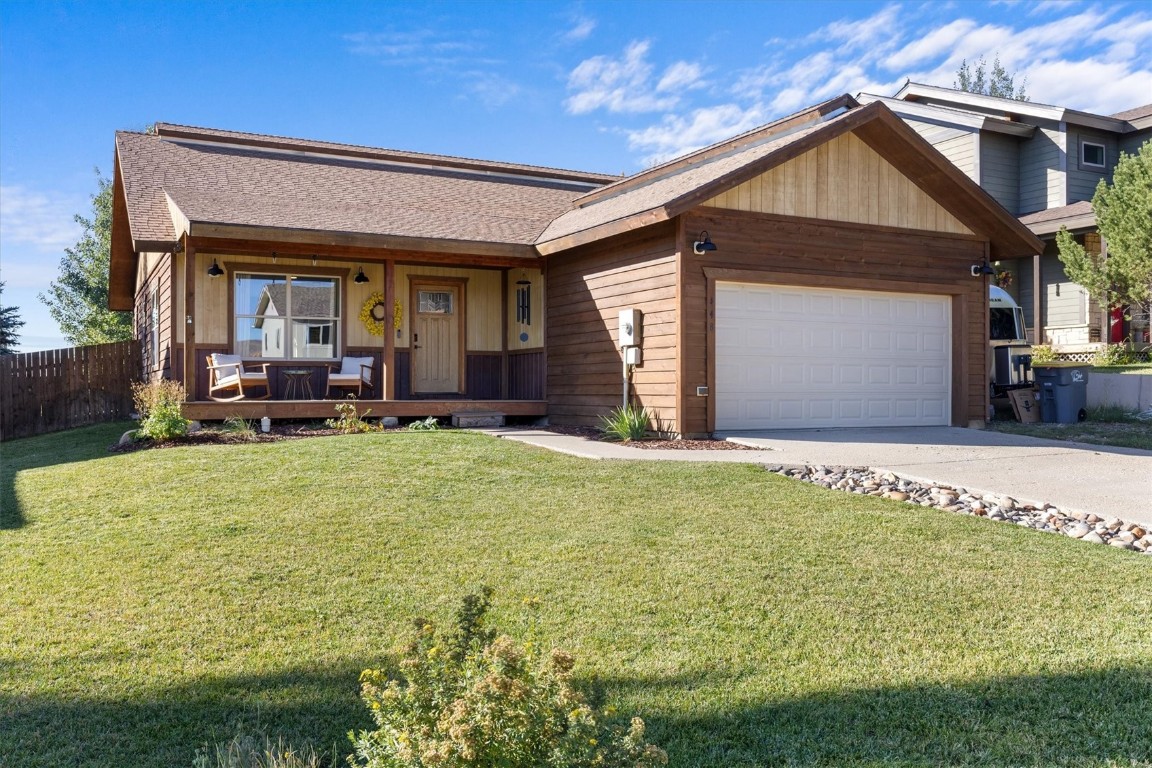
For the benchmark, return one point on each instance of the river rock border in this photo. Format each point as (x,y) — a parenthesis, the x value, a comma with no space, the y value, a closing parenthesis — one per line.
(1077,525)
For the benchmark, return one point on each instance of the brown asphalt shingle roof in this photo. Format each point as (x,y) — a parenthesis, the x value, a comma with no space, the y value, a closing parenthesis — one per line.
(253,186)
(1135,113)
(1082,208)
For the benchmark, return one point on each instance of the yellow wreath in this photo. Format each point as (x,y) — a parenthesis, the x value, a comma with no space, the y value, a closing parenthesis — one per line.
(373,314)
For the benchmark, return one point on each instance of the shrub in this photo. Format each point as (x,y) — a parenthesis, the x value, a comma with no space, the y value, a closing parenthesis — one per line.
(350,421)
(256,751)
(160,405)
(626,423)
(1114,354)
(472,698)
(1043,353)
(430,424)
(238,429)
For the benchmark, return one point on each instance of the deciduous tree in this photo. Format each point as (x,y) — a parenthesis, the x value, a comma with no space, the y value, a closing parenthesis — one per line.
(78,298)
(1122,277)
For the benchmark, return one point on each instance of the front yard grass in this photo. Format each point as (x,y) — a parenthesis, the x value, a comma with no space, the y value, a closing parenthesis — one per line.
(1104,426)
(154,601)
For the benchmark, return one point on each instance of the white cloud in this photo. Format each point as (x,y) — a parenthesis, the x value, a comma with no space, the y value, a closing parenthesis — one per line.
(491,89)
(620,85)
(675,135)
(680,76)
(419,47)
(42,220)
(581,30)
(930,45)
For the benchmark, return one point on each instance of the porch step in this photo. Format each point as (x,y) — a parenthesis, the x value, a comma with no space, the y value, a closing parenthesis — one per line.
(468,419)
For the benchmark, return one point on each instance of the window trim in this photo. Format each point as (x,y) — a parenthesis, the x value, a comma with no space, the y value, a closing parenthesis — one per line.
(343,276)
(1103,155)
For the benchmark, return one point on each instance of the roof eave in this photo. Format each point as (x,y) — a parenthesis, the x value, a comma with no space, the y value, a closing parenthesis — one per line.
(1080,223)
(123,251)
(603,231)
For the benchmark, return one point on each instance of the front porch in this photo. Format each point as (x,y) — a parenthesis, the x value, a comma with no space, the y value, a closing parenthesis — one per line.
(326,409)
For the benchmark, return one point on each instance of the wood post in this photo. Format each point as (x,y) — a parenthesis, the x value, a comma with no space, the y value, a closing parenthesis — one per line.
(189,321)
(388,375)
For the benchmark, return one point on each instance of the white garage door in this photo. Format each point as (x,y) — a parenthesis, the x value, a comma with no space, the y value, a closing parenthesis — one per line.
(791,357)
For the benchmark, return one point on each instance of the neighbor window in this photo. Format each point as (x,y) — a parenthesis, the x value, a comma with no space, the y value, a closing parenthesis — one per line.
(1092,155)
(287,317)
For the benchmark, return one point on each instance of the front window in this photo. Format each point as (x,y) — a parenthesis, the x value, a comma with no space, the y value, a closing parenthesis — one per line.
(287,317)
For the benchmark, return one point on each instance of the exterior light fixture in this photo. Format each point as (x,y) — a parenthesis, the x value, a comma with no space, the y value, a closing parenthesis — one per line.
(703,245)
(214,270)
(360,276)
(982,269)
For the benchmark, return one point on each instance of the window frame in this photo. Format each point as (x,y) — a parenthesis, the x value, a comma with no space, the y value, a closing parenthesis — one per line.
(338,321)
(1085,163)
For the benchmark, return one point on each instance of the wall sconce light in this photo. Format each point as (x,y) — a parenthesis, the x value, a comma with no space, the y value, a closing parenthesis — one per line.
(360,276)
(214,270)
(983,268)
(703,245)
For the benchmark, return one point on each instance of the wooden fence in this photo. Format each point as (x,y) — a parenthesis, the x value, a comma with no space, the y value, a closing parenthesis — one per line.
(65,388)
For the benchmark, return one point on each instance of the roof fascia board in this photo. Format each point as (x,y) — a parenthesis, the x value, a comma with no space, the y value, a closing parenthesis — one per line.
(603,231)
(320,238)
(300,147)
(122,257)
(1079,223)
(180,223)
(1043,111)
(950,117)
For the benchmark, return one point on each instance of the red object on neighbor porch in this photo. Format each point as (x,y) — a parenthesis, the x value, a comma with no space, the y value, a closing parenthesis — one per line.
(1116,326)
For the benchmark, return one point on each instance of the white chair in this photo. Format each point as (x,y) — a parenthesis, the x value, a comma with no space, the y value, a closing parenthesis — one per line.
(353,373)
(227,373)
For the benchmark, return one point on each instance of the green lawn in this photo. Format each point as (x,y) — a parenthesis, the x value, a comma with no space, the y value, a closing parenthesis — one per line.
(152,601)
(1104,426)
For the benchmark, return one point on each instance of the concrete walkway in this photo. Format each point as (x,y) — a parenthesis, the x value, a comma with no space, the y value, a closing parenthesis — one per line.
(1110,482)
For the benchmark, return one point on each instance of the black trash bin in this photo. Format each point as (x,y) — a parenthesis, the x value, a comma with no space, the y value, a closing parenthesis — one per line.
(1063,391)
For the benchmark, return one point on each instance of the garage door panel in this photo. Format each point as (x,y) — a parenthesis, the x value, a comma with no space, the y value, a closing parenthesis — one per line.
(812,357)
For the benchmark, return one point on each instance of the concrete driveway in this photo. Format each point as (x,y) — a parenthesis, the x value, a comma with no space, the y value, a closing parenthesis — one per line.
(1110,482)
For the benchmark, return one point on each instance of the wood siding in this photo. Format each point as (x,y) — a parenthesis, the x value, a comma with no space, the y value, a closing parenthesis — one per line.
(1042,170)
(842,180)
(587,288)
(527,371)
(155,281)
(531,334)
(1082,179)
(779,250)
(1000,169)
(955,143)
(485,294)
(1065,302)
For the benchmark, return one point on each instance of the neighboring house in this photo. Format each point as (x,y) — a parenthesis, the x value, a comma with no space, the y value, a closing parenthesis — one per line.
(1042,163)
(839,293)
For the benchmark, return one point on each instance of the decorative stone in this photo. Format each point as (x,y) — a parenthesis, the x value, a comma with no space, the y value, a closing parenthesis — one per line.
(896,496)
(1093,537)
(1077,530)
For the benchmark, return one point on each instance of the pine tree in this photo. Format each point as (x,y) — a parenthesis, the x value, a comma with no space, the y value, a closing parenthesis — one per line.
(9,322)
(995,83)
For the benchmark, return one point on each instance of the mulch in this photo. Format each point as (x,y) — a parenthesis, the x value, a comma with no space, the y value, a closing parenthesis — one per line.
(289,431)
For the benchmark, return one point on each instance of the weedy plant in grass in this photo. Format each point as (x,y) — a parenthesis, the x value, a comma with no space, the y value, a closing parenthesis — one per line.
(350,421)
(1114,354)
(160,405)
(430,424)
(626,423)
(474,698)
(239,429)
(258,750)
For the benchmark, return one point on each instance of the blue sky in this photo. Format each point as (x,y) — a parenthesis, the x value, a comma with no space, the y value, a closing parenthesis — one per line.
(602,86)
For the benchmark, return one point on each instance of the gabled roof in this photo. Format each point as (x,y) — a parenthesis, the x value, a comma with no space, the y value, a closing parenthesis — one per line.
(667,191)
(936,113)
(1138,117)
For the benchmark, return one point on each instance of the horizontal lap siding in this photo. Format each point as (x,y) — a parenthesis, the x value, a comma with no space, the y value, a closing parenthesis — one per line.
(587,288)
(1000,169)
(815,253)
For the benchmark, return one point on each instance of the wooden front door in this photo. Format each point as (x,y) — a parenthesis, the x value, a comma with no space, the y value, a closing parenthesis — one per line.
(437,333)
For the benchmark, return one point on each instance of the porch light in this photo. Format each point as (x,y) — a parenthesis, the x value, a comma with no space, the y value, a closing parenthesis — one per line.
(214,270)
(982,269)
(360,276)
(703,245)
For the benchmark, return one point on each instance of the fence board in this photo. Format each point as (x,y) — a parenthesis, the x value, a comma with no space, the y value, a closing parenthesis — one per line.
(65,388)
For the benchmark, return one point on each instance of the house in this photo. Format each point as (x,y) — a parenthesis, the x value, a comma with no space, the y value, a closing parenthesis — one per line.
(815,271)
(1042,163)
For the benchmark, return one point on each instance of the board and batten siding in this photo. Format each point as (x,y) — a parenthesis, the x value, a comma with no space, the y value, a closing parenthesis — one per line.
(1082,179)
(587,288)
(1042,170)
(1065,301)
(841,180)
(772,249)
(483,323)
(1000,169)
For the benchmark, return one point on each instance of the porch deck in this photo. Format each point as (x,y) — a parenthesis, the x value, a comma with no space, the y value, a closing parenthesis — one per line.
(209,410)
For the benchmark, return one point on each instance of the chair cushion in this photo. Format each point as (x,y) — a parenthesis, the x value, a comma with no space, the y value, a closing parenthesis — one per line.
(352,365)
(229,372)
(351,379)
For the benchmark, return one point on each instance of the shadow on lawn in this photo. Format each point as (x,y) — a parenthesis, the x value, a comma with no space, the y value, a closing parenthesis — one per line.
(45,451)
(1073,719)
